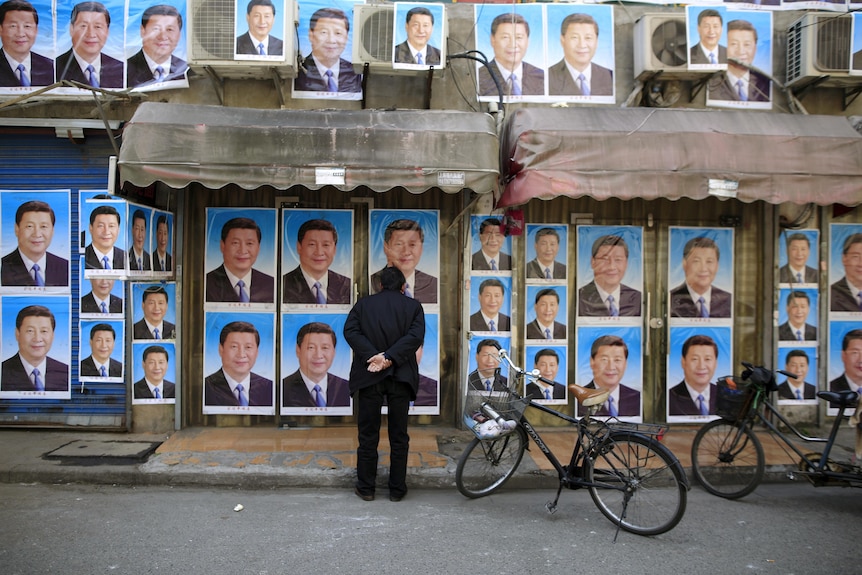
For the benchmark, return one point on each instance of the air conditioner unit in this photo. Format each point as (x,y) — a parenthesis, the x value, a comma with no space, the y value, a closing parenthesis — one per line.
(818,47)
(661,45)
(212,39)
(373,39)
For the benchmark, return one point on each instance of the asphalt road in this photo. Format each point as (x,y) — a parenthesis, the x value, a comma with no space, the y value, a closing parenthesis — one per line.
(788,529)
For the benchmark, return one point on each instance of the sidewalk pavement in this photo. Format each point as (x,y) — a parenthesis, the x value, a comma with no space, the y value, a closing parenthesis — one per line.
(266,458)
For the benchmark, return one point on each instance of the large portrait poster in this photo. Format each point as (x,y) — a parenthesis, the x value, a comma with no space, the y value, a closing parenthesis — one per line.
(155,46)
(609,357)
(856,47)
(260,29)
(410,241)
(707,42)
(154,372)
(749,41)
(104,246)
(36,27)
(419,33)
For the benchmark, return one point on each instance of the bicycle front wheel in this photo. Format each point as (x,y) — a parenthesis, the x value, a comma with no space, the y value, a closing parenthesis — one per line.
(487,464)
(640,484)
(727,459)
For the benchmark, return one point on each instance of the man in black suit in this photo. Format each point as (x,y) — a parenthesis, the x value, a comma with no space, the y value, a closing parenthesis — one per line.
(846,293)
(139,258)
(403,242)
(797,328)
(545,266)
(153,325)
(510,37)
(851,357)
(796,270)
(708,50)
(857,60)
(234,384)
(161,29)
(100,299)
(31,369)
(796,387)
(416,50)
(260,16)
(609,356)
(32,264)
(697,297)
(102,254)
(236,280)
(695,394)
(546,326)
(492,238)
(384,330)
(487,376)
(489,318)
(324,70)
(312,385)
(312,281)
(576,74)
(85,62)
(100,363)
(547,361)
(738,83)
(606,295)
(162,261)
(154,385)
(19,65)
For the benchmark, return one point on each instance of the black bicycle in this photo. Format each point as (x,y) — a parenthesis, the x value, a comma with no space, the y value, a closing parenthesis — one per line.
(727,457)
(634,480)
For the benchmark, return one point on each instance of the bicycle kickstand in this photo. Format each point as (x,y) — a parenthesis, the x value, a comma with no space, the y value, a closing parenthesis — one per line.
(551,506)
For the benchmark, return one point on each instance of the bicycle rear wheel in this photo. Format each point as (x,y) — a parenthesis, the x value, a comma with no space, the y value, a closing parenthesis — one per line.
(487,464)
(727,459)
(642,486)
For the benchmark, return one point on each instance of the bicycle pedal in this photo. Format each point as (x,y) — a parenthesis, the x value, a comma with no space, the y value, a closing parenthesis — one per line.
(551,507)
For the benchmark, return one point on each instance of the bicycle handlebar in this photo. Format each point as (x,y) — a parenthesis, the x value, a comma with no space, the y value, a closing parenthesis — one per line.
(763,375)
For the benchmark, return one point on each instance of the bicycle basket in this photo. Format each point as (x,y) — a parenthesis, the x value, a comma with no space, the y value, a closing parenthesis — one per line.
(734,397)
(490,414)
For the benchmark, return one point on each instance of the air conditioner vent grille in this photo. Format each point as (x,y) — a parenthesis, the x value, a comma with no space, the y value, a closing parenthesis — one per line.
(213,30)
(376,36)
(833,44)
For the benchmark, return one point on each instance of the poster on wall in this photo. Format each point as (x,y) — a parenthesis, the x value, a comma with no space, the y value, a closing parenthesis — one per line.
(491,305)
(240,260)
(101,297)
(547,253)
(408,240)
(844,362)
(856,47)
(702,286)
(90,49)
(35,241)
(104,243)
(697,356)
(547,310)
(707,42)
(800,360)
(154,370)
(798,263)
(154,311)
(36,348)
(491,247)
(326,35)
(29,53)
(140,258)
(419,36)
(609,358)
(239,363)
(162,241)
(102,350)
(552,362)
(260,29)
(610,272)
(484,370)
(749,42)
(155,46)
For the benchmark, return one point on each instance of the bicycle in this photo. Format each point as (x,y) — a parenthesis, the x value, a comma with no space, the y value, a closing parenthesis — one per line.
(727,457)
(634,480)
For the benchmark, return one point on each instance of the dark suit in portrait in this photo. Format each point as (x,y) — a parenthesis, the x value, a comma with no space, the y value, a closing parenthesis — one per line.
(786,392)
(311,79)
(138,70)
(475,382)
(13,376)
(92,262)
(295,289)
(629,403)
(841,298)
(680,402)
(720,89)
(787,333)
(89,369)
(840,383)
(534,331)
(157,264)
(403,55)
(217,391)
(142,391)
(426,395)
(41,72)
(141,331)
(535,391)
(294,392)
(681,304)
(535,270)
(424,289)
(133,261)
(245,44)
(590,303)
(219,287)
(89,305)
(477,322)
(696,55)
(14,272)
(561,83)
(532,84)
(110,75)
(785,275)
(503,261)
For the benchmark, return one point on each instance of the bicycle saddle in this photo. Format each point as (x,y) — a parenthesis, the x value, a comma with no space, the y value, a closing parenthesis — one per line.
(842,398)
(588,397)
